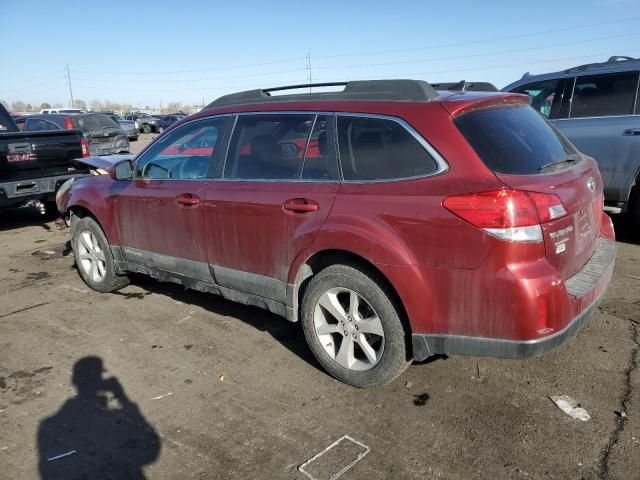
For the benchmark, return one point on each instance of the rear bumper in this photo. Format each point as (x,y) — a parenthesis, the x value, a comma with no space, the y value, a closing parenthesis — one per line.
(18,192)
(582,294)
(426,345)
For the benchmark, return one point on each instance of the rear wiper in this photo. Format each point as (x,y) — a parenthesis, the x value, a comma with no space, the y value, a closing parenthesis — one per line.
(568,159)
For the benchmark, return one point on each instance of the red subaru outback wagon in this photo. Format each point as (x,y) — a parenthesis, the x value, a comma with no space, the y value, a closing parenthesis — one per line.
(394,221)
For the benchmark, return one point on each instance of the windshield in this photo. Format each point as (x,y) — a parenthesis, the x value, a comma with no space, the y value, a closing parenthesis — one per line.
(514,140)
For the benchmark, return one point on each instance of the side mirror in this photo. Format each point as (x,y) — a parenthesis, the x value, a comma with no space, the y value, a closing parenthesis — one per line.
(123,170)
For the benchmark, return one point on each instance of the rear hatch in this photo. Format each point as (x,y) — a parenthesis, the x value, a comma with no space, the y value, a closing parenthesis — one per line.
(100,131)
(527,153)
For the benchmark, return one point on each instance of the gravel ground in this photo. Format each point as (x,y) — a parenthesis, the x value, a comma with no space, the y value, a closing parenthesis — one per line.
(167,383)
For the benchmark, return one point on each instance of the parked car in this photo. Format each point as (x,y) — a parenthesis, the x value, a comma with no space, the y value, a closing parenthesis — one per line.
(33,165)
(165,121)
(146,123)
(104,135)
(394,221)
(596,106)
(129,126)
(61,110)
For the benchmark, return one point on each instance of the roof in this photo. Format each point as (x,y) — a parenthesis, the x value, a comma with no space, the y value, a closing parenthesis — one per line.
(611,65)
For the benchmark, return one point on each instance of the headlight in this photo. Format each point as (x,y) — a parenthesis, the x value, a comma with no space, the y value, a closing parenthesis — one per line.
(135,124)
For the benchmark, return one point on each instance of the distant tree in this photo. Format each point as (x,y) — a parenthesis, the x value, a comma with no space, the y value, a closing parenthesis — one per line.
(146,107)
(29,107)
(96,105)
(18,106)
(44,105)
(172,107)
(58,105)
(81,104)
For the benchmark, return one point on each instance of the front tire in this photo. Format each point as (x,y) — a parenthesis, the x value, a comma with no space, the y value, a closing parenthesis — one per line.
(353,327)
(93,257)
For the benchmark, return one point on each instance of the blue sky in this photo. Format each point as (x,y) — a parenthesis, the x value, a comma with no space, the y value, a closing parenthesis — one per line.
(146,53)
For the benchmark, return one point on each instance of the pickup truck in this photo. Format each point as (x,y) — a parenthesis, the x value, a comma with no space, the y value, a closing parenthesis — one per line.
(33,165)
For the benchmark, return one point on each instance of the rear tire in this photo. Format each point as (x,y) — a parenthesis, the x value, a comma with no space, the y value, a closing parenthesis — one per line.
(93,256)
(146,128)
(353,327)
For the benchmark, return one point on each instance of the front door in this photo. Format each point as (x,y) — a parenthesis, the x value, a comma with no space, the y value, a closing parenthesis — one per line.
(279,184)
(161,213)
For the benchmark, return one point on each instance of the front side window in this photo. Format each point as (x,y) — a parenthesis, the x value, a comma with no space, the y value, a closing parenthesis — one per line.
(603,95)
(546,96)
(269,147)
(184,154)
(380,149)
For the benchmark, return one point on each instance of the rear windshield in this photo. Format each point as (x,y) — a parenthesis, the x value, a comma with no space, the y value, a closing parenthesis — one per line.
(514,140)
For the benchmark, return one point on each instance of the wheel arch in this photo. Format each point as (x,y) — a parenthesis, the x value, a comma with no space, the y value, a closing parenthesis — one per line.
(321,259)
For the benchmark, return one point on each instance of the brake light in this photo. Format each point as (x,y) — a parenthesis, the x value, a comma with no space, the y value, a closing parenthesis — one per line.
(68,124)
(507,213)
(85,147)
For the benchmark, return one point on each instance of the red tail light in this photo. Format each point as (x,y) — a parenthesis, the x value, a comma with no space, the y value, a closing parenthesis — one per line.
(68,124)
(507,213)
(85,147)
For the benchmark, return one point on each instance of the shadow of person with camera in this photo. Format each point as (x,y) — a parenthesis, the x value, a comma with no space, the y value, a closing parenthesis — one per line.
(99,433)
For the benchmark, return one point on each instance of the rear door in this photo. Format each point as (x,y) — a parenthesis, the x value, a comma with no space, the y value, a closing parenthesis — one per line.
(278,185)
(519,146)
(602,124)
(160,213)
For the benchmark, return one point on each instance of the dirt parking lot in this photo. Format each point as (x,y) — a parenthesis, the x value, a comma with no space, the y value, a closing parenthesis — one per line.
(198,387)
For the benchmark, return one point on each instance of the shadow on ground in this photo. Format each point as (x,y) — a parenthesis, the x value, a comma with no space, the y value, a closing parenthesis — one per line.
(289,334)
(99,433)
(11,219)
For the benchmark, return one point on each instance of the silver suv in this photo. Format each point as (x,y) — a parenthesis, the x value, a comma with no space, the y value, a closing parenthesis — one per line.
(597,107)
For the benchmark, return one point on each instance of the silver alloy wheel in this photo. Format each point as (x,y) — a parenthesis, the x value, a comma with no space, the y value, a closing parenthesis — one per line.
(91,256)
(349,329)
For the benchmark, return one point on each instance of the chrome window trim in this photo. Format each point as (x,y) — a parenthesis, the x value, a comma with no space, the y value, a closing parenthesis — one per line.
(442,165)
(189,123)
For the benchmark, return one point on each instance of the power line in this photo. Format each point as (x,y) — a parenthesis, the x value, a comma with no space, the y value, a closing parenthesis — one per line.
(474,55)
(594,55)
(208,69)
(475,42)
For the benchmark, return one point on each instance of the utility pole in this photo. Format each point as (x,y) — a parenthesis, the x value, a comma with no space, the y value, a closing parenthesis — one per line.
(308,68)
(70,90)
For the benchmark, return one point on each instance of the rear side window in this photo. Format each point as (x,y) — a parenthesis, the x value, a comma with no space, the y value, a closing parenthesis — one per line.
(513,140)
(87,123)
(268,147)
(380,149)
(603,95)
(39,124)
(107,121)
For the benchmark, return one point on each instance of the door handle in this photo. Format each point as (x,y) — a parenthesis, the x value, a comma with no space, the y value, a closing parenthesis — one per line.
(300,205)
(632,132)
(188,200)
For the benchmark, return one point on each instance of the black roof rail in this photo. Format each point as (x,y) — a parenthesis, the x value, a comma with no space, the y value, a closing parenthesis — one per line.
(610,60)
(464,86)
(380,90)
